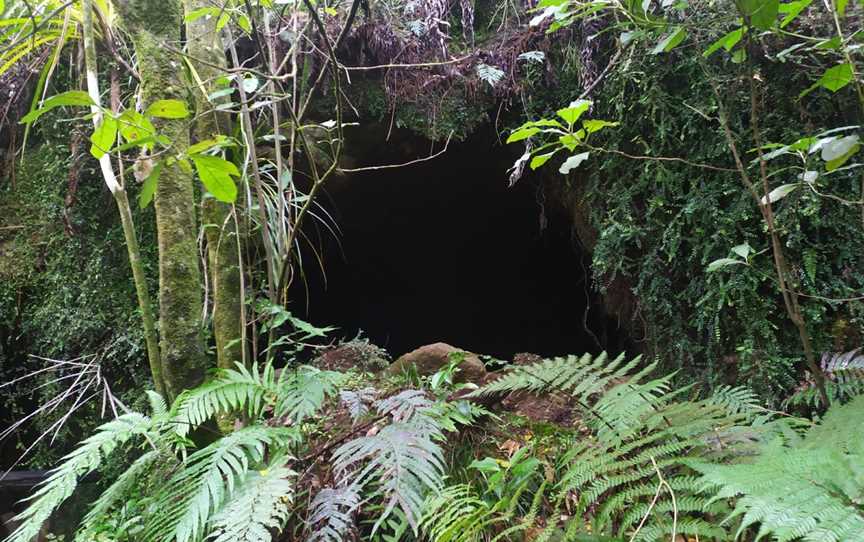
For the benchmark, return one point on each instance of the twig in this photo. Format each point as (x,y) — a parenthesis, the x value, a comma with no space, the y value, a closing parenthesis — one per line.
(404,164)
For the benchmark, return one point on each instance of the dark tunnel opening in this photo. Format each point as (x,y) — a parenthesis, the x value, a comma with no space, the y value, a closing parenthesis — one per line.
(444,250)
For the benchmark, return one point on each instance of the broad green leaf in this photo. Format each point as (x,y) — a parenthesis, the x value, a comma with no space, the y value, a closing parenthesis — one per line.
(540,159)
(571,113)
(671,41)
(792,10)
(205,145)
(723,262)
(726,42)
(835,148)
(780,192)
(243,22)
(103,137)
(149,186)
(571,141)
(743,250)
(194,15)
(215,173)
(839,5)
(573,162)
(72,97)
(523,133)
(596,125)
(831,165)
(168,109)
(836,78)
(134,126)
(761,13)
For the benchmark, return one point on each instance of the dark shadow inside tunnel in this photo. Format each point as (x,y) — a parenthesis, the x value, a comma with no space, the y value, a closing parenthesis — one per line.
(444,250)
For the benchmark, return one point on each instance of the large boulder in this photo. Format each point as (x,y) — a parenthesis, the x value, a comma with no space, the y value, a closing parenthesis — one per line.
(430,358)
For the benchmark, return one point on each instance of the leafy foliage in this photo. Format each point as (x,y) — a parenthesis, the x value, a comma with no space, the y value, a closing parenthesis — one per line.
(806,487)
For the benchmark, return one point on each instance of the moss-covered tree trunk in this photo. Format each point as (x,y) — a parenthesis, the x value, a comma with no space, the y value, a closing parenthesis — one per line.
(155,26)
(203,43)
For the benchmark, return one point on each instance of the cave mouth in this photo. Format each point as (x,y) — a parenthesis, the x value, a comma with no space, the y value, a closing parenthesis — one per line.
(444,250)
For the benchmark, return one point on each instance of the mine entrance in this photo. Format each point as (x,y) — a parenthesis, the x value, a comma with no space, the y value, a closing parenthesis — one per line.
(444,250)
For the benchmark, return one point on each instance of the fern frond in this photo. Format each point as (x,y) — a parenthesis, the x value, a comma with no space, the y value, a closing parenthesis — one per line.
(801,488)
(737,400)
(194,494)
(457,514)
(233,390)
(405,462)
(119,490)
(357,401)
(302,391)
(332,512)
(260,504)
(63,480)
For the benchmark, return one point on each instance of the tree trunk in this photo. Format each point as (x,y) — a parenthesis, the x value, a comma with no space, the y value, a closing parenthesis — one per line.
(203,43)
(155,27)
(119,193)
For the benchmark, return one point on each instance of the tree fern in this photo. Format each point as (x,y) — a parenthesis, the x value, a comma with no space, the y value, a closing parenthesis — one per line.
(259,506)
(89,456)
(808,488)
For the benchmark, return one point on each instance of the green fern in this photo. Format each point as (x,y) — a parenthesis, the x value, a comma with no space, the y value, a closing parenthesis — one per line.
(331,516)
(88,457)
(808,488)
(196,492)
(260,505)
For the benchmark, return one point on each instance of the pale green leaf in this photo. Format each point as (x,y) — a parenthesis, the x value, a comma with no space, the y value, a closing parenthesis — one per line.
(72,97)
(573,162)
(792,10)
(780,192)
(743,250)
(168,109)
(523,133)
(596,125)
(103,137)
(571,113)
(215,173)
(540,159)
(671,41)
(727,42)
(149,186)
(836,148)
(836,77)
(723,262)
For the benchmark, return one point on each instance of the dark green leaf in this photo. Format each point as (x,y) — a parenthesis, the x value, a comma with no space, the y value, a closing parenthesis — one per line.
(792,10)
(761,13)
(837,77)
(726,42)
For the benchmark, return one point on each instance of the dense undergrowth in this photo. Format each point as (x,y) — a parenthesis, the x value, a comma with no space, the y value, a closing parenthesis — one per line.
(331,456)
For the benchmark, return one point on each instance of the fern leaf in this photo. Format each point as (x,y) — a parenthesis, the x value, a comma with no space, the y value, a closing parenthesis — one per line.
(331,516)
(120,489)
(193,495)
(357,402)
(260,504)
(64,479)
(303,391)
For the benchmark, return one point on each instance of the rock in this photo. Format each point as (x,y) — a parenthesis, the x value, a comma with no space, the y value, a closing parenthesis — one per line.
(354,354)
(430,358)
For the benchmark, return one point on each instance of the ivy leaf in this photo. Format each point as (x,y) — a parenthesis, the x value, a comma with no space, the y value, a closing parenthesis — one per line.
(572,113)
(592,126)
(671,41)
(727,42)
(780,192)
(103,137)
(723,262)
(216,173)
(168,109)
(149,186)
(541,159)
(573,162)
(72,97)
